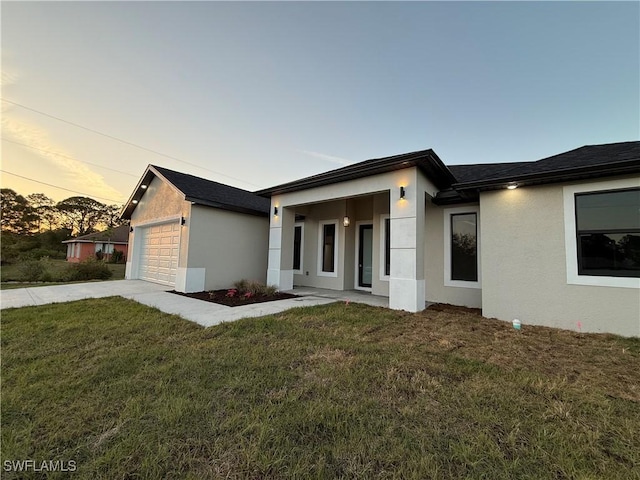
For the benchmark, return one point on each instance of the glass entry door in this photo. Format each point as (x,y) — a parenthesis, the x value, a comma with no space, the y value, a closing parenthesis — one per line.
(365,255)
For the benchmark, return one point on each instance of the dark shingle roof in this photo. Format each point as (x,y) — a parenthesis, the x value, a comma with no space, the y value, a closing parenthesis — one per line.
(116,235)
(425,160)
(199,191)
(468,173)
(583,162)
(214,194)
(456,182)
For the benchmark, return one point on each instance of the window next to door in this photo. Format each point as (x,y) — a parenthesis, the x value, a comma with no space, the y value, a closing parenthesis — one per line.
(328,251)
(461,247)
(385,247)
(298,245)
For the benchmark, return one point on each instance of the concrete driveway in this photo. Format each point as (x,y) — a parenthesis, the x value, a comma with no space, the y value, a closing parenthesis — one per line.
(153,295)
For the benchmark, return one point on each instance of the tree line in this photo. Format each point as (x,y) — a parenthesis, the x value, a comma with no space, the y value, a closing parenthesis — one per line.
(37,213)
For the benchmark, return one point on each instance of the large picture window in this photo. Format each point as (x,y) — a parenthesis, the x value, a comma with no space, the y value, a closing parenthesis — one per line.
(464,247)
(608,233)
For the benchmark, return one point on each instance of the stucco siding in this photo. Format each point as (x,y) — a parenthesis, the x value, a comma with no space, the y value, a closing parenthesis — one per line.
(524,273)
(160,200)
(229,246)
(436,291)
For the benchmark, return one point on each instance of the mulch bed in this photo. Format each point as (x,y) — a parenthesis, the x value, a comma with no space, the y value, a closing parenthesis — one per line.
(220,296)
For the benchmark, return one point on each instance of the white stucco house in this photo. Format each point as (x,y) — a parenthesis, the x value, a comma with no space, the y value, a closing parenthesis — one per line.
(551,242)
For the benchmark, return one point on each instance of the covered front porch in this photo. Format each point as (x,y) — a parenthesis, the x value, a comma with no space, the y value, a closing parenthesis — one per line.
(366,235)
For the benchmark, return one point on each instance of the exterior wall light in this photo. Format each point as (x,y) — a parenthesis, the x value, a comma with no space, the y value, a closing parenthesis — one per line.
(346,221)
(402,192)
(143,186)
(512,186)
(134,201)
(130,229)
(275,211)
(183,220)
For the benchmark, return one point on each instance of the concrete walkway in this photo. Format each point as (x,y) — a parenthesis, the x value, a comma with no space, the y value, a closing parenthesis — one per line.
(355,296)
(154,295)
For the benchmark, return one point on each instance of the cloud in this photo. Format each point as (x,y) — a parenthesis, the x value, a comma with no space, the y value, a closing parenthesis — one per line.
(328,158)
(83,178)
(7,78)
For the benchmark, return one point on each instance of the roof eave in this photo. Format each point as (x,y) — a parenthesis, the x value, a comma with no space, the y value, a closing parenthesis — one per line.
(138,192)
(426,160)
(556,176)
(223,206)
(452,197)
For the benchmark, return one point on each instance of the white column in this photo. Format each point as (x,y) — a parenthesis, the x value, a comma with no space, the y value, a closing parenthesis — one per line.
(280,266)
(406,282)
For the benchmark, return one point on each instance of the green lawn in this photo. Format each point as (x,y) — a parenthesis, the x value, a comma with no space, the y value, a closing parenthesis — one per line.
(337,391)
(9,273)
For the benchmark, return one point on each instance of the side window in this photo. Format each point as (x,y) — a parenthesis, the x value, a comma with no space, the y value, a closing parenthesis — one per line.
(387,246)
(298,236)
(464,247)
(608,233)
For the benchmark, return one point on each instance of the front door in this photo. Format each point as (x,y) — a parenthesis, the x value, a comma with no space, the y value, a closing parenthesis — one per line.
(365,255)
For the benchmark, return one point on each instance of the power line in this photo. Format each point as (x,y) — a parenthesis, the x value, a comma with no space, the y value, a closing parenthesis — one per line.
(61,188)
(70,158)
(122,141)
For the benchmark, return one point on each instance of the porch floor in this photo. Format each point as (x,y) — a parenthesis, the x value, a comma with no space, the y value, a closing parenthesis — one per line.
(356,296)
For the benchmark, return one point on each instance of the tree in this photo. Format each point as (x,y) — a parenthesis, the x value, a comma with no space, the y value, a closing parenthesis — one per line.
(42,207)
(17,214)
(50,217)
(81,214)
(111,216)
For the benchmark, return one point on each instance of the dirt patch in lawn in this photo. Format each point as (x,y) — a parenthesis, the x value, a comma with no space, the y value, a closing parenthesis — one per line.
(220,296)
(584,359)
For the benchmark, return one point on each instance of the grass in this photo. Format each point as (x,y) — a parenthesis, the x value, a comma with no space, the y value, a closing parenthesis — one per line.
(56,267)
(336,391)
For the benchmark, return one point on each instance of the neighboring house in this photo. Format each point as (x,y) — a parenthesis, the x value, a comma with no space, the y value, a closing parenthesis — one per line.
(553,242)
(98,244)
(194,234)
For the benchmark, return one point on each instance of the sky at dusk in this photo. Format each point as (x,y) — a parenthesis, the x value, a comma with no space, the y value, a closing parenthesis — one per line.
(257,94)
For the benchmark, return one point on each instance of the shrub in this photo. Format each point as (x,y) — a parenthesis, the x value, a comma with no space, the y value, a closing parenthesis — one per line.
(241,286)
(88,269)
(117,256)
(31,270)
(250,287)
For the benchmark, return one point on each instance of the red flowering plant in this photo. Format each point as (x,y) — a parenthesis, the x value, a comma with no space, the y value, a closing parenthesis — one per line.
(232,292)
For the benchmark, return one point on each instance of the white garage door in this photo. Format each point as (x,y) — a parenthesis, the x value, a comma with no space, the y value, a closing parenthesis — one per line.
(159,253)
